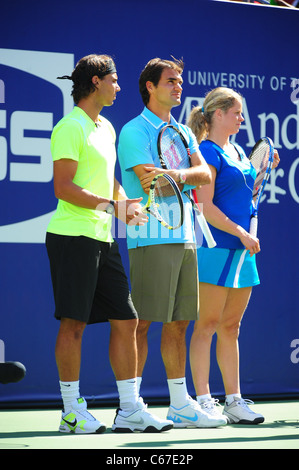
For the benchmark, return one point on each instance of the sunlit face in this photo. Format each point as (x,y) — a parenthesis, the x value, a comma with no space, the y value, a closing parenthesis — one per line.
(168,92)
(107,89)
(232,118)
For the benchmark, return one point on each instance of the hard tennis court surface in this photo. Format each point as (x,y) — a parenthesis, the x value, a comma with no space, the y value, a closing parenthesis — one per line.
(37,429)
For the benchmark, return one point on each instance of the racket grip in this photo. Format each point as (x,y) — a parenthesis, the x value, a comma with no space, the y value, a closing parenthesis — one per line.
(206,230)
(203,223)
(253,226)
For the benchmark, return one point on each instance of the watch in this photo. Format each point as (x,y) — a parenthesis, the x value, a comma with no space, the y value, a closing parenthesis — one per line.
(110,209)
(182,177)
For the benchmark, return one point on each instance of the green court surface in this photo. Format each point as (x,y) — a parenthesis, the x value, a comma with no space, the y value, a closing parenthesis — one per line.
(37,429)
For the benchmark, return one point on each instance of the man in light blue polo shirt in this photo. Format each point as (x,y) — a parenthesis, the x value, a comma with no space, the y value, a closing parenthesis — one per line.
(143,148)
(163,263)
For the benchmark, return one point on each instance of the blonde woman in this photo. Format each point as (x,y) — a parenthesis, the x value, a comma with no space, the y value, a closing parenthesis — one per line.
(228,271)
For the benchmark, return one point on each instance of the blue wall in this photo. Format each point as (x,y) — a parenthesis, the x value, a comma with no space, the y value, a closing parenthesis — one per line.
(248,47)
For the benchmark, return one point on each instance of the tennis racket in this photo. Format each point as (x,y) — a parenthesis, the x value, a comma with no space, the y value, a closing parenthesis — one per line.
(261,158)
(174,153)
(165,202)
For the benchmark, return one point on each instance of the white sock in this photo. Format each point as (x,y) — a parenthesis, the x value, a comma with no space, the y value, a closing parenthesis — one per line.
(128,395)
(69,393)
(230,398)
(139,380)
(203,398)
(178,392)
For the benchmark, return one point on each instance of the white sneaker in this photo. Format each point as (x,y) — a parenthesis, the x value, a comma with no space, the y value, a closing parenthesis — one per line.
(192,415)
(210,406)
(79,420)
(139,420)
(238,412)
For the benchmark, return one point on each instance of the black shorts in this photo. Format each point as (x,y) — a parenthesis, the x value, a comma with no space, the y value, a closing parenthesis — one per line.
(89,280)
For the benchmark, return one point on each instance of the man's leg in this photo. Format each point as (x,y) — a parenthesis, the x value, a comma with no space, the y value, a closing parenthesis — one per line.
(68,359)
(133,414)
(123,349)
(173,348)
(183,410)
(142,345)
(68,349)
(173,351)
(123,360)
(75,417)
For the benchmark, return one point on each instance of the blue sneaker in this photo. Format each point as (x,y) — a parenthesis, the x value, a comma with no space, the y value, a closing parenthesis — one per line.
(191,415)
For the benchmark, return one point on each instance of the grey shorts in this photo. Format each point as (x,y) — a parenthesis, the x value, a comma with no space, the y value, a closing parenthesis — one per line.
(164,282)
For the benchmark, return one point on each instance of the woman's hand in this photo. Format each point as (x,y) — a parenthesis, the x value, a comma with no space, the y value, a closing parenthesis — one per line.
(251,243)
(276,159)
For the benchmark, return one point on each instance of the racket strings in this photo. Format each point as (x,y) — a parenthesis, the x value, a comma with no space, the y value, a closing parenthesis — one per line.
(165,203)
(262,164)
(174,152)
(260,158)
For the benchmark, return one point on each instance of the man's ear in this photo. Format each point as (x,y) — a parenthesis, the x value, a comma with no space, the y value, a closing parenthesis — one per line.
(95,80)
(150,86)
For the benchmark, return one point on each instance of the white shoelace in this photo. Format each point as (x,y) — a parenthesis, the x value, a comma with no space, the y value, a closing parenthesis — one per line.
(209,407)
(244,402)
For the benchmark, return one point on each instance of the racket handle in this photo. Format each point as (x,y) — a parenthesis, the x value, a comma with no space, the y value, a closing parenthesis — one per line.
(206,230)
(203,223)
(253,226)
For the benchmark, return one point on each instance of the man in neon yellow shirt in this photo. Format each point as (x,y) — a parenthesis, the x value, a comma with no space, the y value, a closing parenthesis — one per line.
(89,282)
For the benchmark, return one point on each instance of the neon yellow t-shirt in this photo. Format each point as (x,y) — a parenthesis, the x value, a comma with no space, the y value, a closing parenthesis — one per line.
(78,138)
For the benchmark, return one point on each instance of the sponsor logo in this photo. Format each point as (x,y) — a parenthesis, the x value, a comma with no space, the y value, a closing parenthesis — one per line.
(177,418)
(69,423)
(27,118)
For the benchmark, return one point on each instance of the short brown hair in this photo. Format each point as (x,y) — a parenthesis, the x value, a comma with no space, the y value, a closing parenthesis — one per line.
(152,73)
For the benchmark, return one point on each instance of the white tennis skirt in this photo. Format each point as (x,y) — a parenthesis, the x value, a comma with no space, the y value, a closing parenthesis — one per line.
(227,267)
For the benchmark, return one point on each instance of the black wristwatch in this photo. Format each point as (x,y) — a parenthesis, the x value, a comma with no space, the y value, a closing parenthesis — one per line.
(110,209)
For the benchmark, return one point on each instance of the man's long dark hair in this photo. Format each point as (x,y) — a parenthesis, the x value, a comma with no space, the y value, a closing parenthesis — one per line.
(86,68)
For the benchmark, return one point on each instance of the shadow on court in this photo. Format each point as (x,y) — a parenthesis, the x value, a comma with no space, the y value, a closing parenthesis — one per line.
(38,429)
(172,442)
(229,440)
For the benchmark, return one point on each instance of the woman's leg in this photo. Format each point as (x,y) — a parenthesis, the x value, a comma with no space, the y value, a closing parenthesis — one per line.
(227,338)
(212,303)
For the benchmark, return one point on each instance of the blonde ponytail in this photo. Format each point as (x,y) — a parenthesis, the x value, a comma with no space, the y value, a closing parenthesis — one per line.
(200,118)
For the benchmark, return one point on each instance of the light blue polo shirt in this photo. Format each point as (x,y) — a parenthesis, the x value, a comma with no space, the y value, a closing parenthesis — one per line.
(138,146)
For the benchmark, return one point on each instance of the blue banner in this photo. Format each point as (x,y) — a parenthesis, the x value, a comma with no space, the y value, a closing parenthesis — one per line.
(248,47)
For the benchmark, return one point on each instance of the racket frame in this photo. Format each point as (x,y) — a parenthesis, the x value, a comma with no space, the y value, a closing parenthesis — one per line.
(193,199)
(256,197)
(151,206)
